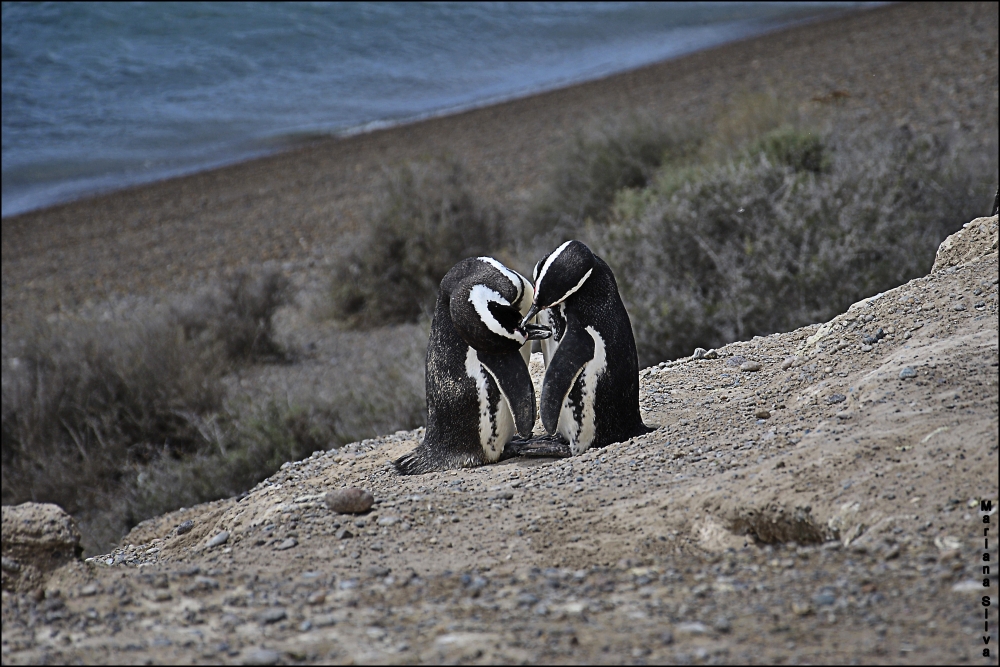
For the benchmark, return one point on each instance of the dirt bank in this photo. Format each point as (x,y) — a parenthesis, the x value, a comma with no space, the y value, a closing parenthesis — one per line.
(808,496)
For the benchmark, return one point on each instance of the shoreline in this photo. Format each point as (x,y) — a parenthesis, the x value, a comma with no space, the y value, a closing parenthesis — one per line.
(252,149)
(294,205)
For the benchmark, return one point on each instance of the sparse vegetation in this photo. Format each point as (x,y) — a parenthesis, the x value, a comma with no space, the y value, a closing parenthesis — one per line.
(788,232)
(122,420)
(425,220)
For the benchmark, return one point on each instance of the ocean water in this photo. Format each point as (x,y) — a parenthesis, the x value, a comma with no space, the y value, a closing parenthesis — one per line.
(100,96)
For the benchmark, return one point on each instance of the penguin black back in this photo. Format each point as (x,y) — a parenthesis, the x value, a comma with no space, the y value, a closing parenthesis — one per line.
(590,394)
(479,392)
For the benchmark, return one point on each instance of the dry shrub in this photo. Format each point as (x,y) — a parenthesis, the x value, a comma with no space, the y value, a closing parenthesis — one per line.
(85,402)
(240,316)
(425,220)
(586,175)
(790,232)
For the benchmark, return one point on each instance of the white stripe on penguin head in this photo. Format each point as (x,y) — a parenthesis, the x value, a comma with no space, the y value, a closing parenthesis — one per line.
(548,262)
(480,296)
(515,278)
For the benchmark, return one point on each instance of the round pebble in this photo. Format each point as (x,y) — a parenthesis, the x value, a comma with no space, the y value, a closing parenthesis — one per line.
(185,527)
(349,501)
(218,540)
(261,656)
(762,414)
(750,366)
(907,373)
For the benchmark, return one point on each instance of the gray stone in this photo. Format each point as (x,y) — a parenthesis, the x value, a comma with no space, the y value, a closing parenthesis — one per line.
(324,620)
(722,624)
(344,534)
(218,540)
(388,521)
(286,544)
(836,398)
(350,500)
(750,366)
(261,656)
(907,373)
(272,615)
(185,527)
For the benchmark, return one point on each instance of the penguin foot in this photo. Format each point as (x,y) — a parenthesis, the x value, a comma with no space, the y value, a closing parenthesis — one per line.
(543,445)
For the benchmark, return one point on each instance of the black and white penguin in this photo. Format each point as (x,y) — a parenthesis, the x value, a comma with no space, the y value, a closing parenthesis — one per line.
(479,392)
(590,394)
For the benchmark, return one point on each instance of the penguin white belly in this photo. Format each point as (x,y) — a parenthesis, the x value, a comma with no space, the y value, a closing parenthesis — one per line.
(581,434)
(496,421)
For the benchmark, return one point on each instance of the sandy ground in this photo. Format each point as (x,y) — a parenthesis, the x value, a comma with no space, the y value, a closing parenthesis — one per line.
(807,497)
(932,66)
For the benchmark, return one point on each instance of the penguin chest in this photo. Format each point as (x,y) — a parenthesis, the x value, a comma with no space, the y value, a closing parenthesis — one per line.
(495,420)
(579,413)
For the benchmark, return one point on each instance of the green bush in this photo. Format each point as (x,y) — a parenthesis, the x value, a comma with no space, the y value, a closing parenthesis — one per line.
(789,233)
(425,220)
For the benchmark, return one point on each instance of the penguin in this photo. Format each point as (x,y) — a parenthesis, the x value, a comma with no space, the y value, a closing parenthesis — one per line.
(590,392)
(479,392)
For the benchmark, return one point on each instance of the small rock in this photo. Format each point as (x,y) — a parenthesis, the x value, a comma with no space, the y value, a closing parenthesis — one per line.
(344,534)
(845,414)
(735,360)
(349,501)
(788,363)
(378,571)
(907,373)
(185,527)
(824,599)
(761,413)
(88,590)
(305,626)
(750,366)
(801,608)
(699,353)
(261,656)
(504,495)
(324,620)
(835,398)
(286,544)
(272,615)
(319,597)
(722,624)
(388,521)
(866,348)
(218,540)
(959,306)
(693,628)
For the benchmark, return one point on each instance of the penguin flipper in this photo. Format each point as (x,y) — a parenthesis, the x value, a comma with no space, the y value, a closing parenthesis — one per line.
(512,377)
(573,353)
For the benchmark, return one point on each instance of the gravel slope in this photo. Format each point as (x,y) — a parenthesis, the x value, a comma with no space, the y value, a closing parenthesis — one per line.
(807,496)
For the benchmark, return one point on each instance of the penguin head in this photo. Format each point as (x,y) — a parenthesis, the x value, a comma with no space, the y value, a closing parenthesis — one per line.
(488,301)
(560,274)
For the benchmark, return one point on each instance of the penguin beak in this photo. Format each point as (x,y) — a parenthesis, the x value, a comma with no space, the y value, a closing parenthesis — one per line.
(531,313)
(536,332)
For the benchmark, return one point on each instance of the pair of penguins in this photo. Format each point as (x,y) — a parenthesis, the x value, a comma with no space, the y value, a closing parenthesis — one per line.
(479,392)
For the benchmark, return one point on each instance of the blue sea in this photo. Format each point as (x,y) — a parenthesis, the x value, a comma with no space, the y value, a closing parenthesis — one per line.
(99,96)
